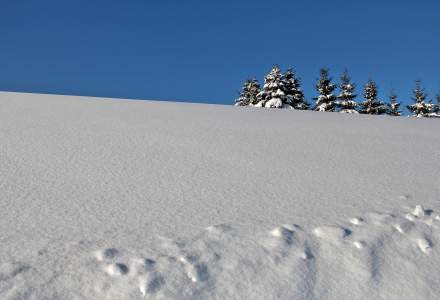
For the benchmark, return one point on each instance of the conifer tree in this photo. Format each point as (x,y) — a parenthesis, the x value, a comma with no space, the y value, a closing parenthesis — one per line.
(292,88)
(420,108)
(394,105)
(248,94)
(346,103)
(242,99)
(272,94)
(372,105)
(326,101)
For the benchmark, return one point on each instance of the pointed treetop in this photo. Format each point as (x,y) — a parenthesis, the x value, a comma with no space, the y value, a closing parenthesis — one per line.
(419,92)
(345,77)
(274,72)
(420,108)
(273,94)
(346,103)
(324,73)
(372,105)
(292,88)
(346,86)
(393,106)
(370,90)
(392,96)
(248,94)
(325,101)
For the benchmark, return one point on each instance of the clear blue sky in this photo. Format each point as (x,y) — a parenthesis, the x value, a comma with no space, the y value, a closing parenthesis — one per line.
(202,51)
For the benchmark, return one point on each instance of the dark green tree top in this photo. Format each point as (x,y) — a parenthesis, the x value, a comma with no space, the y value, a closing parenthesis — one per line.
(326,100)
(372,105)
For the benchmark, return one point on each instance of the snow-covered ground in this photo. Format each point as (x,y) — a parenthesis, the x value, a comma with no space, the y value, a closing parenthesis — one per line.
(112,199)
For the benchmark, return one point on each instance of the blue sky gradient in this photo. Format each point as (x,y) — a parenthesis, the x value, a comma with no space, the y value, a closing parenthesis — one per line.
(202,51)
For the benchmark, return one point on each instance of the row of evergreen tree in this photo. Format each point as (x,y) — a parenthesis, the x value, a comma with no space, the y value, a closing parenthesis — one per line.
(283,90)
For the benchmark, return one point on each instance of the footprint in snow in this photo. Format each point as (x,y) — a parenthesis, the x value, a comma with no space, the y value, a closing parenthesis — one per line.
(284,234)
(411,224)
(142,265)
(150,283)
(106,254)
(195,270)
(287,240)
(116,269)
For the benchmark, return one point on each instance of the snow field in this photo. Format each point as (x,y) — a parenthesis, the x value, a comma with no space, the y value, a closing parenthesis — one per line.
(107,199)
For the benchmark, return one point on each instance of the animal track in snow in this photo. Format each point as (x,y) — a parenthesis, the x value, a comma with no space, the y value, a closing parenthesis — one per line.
(413,224)
(117,269)
(357,249)
(278,263)
(288,239)
(195,270)
(150,283)
(142,265)
(106,254)
(284,233)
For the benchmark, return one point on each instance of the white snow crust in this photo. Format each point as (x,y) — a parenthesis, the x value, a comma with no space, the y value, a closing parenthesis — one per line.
(118,199)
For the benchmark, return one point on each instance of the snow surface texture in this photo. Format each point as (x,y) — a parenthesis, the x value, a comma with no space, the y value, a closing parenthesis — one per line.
(108,199)
(376,256)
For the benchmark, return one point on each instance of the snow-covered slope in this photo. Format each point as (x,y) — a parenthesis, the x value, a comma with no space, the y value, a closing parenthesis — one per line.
(112,199)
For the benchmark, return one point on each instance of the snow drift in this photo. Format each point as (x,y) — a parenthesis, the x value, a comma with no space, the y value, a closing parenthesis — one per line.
(111,199)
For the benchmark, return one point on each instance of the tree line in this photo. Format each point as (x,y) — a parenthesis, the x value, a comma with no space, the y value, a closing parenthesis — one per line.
(283,90)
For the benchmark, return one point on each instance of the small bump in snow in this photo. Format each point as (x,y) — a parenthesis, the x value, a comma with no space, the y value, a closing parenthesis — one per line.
(424,245)
(359,244)
(419,211)
(357,221)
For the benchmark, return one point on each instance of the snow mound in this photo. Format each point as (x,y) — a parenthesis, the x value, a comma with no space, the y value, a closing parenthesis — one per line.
(383,256)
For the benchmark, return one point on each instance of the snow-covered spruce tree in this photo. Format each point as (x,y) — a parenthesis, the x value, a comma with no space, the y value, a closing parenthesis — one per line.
(248,94)
(272,94)
(394,105)
(420,108)
(292,89)
(326,101)
(346,102)
(371,105)
(242,99)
